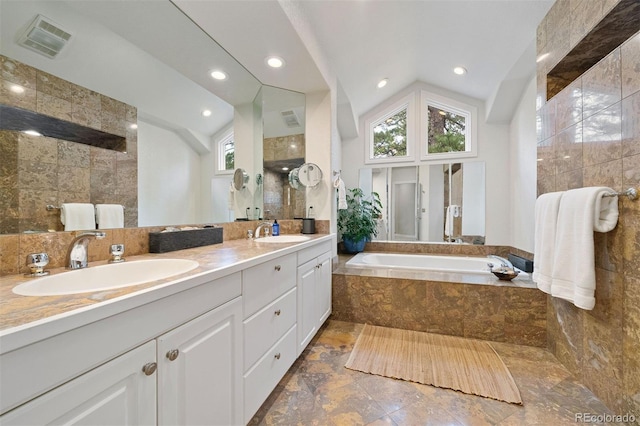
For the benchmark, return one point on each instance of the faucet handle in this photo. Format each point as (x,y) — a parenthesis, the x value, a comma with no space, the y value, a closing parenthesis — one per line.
(36,263)
(117,250)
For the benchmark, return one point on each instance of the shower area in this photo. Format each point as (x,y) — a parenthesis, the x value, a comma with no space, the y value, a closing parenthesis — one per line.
(442,202)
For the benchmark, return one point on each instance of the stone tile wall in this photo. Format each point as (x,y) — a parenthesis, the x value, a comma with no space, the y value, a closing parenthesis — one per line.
(40,171)
(589,135)
(498,313)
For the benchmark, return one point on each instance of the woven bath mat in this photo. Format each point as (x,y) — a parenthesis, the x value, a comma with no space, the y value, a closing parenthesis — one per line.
(466,365)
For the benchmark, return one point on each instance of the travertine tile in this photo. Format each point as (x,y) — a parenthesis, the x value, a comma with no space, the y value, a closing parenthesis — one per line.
(52,106)
(71,154)
(37,148)
(54,86)
(484,312)
(546,157)
(631,343)
(37,175)
(631,125)
(569,106)
(601,85)
(630,60)
(601,136)
(604,174)
(13,94)
(17,72)
(9,254)
(568,145)
(569,180)
(566,334)
(630,179)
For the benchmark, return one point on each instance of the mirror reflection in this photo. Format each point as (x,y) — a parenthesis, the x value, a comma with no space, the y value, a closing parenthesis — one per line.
(434,203)
(283,152)
(148,68)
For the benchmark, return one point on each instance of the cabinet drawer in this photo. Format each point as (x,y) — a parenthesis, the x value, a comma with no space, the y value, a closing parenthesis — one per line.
(265,375)
(309,253)
(264,283)
(268,325)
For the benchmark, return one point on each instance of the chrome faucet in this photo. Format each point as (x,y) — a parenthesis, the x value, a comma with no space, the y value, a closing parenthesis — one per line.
(77,255)
(504,263)
(266,225)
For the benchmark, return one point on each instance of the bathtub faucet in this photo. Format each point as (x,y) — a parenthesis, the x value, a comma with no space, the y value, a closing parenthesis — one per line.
(504,263)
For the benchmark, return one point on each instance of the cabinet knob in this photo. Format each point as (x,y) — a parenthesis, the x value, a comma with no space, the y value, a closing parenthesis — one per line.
(278,312)
(173,354)
(318,266)
(277,356)
(149,368)
(277,268)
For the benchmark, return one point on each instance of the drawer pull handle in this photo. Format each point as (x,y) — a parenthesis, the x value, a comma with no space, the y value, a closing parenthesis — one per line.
(173,354)
(277,268)
(149,368)
(278,312)
(277,356)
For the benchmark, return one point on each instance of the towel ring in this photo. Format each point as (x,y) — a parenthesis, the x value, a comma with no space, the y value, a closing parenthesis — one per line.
(630,193)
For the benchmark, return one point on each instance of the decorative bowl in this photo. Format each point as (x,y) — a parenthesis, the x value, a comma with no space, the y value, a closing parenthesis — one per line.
(505,274)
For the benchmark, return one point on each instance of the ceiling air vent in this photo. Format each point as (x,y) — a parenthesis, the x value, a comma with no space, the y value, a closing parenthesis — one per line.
(290,118)
(45,37)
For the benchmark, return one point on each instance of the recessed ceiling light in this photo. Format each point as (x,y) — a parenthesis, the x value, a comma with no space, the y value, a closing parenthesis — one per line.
(441,112)
(459,70)
(16,89)
(293,145)
(382,83)
(133,126)
(542,57)
(32,133)
(218,75)
(206,113)
(275,62)
(285,169)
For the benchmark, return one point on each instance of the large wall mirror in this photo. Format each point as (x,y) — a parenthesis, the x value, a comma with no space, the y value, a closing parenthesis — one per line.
(153,57)
(433,203)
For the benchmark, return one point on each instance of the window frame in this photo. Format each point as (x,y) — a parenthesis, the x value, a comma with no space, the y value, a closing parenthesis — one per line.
(220,152)
(370,123)
(470,113)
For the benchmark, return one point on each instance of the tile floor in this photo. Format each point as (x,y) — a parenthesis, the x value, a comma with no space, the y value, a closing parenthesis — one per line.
(319,390)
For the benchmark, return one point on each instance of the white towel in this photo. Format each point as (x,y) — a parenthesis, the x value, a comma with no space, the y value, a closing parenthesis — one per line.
(231,197)
(448,221)
(338,183)
(546,219)
(109,216)
(581,212)
(78,216)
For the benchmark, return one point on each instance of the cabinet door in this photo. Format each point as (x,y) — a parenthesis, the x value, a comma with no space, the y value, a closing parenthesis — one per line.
(323,289)
(116,393)
(307,319)
(200,377)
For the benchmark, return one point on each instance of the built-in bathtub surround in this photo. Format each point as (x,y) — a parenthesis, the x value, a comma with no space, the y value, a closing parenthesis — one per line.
(467,305)
(37,171)
(589,135)
(14,248)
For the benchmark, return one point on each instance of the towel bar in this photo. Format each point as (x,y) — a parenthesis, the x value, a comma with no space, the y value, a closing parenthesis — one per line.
(630,193)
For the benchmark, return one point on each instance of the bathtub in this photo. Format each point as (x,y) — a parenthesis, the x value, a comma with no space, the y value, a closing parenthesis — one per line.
(423,262)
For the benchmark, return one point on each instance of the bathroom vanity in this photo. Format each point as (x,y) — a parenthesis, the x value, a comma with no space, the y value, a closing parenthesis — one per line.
(206,347)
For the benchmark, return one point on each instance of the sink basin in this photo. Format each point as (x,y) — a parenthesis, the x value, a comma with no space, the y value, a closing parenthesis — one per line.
(105,277)
(283,239)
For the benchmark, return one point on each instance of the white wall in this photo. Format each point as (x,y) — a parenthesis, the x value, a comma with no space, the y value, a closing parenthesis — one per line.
(168,178)
(523,173)
(317,136)
(493,149)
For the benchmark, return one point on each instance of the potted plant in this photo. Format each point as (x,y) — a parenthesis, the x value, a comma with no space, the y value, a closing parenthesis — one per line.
(357,223)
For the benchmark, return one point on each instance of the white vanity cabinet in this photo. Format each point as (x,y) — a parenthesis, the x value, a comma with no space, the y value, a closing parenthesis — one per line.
(116,393)
(182,369)
(199,370)
(269,294)
(314,291)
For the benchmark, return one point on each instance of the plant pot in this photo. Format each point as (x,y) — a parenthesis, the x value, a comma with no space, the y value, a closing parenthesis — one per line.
(351,246)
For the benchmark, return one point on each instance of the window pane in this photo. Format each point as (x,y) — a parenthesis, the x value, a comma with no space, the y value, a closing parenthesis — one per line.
(446,131)
(228,155)
(390,136)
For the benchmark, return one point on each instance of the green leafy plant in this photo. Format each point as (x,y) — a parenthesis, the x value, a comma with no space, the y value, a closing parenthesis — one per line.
(358,221)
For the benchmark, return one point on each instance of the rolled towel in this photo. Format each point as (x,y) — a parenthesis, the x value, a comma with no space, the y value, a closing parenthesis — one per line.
(581,212)
(78,216)
(109,216)
(231,197)
(546,220)
(338,183)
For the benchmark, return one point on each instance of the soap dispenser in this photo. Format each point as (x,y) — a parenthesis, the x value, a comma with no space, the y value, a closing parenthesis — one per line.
(275,229)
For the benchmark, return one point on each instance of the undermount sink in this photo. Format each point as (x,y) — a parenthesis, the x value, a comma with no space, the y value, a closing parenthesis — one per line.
(105,277)
(283,239)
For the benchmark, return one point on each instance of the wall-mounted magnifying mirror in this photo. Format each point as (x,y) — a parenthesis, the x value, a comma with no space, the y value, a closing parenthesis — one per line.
(309,175)
(294,182)
(240,179)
